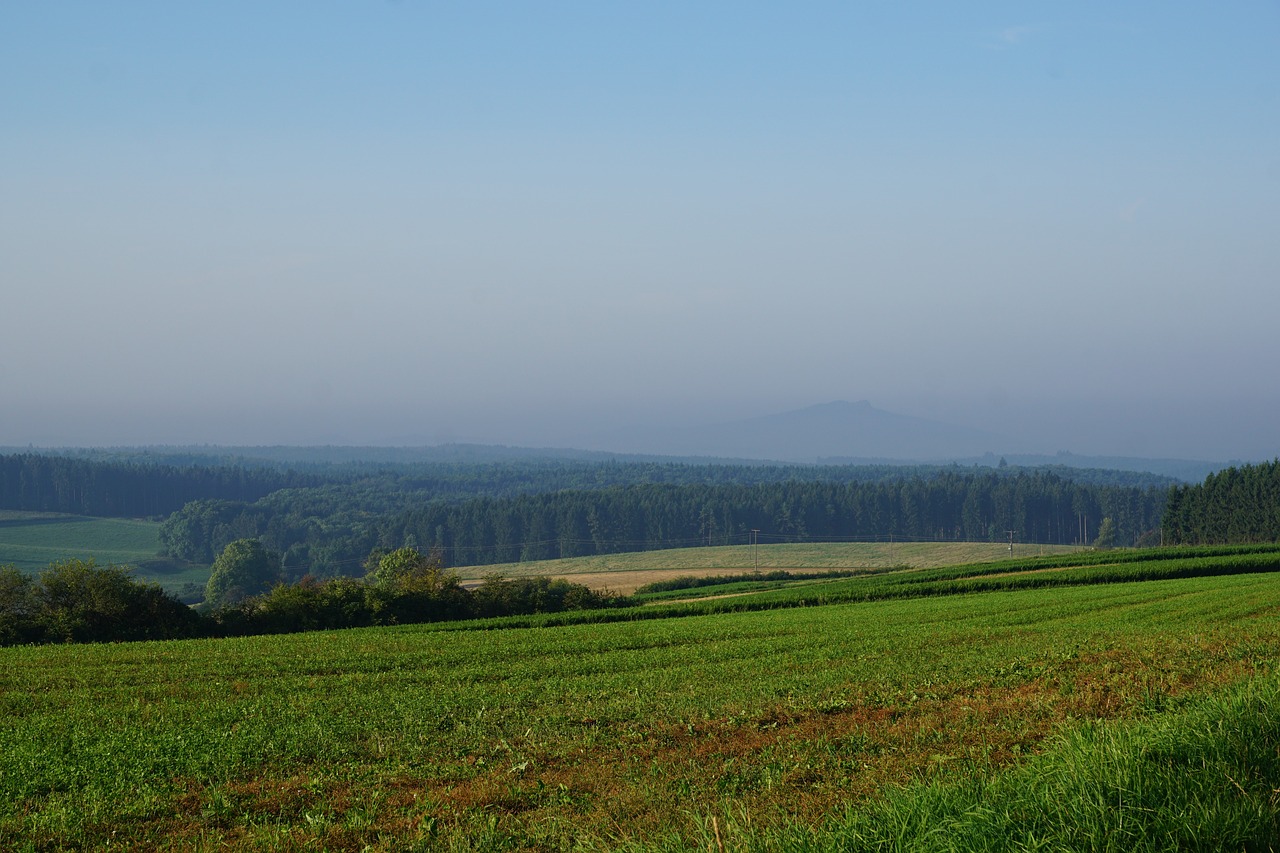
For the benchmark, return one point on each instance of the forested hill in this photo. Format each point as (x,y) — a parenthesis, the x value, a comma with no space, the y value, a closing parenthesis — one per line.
(135,489)
(330,530)
(971,506)
(137,484)
(363,459)
(534,508)
(344,461)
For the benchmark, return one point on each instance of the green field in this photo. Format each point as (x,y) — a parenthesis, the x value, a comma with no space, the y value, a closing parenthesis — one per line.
(32,540)
(778,729)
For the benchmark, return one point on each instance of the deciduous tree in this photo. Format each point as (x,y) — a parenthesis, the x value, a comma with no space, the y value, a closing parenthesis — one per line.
(244,568)
(1106,534)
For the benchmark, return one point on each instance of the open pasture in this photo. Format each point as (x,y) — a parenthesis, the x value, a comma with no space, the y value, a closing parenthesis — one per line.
(32,540)
(595,735)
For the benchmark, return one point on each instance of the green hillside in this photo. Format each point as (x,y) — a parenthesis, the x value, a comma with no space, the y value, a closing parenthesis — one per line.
(32,540)
(777,729)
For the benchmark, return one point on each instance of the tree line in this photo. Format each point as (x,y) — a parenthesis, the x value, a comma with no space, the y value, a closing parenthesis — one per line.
(38,483)
(325,521)
(328,539)
(1036,507)
(80,602)
(127,484)
(1235,505)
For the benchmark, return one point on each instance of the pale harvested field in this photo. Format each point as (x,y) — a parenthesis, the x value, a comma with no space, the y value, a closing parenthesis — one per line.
(624,573)
(625,582)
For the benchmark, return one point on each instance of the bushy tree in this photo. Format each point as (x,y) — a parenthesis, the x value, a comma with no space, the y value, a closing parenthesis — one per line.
(244,568)
(312,604)
(18,608)
(498,596)
(78,601)
(409,570)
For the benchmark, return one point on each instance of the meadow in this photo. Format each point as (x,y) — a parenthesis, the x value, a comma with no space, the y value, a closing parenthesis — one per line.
(32,540)
(867,724)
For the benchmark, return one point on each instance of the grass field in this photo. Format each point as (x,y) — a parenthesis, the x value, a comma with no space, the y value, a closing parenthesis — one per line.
(624,573)
(32,540)
(787,727)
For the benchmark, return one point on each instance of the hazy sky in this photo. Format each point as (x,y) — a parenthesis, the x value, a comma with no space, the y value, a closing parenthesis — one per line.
(359,222)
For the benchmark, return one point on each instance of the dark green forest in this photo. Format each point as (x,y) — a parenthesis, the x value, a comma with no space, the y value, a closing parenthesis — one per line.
(326,519)
(1235,505)
(327,532)
(129,489)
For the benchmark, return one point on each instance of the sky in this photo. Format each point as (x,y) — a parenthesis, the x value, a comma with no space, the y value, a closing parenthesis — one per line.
(535,223)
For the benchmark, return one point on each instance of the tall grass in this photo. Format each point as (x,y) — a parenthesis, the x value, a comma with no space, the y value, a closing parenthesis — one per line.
(1205,778)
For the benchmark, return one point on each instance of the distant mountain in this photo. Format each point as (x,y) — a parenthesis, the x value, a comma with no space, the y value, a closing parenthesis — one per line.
(850,431)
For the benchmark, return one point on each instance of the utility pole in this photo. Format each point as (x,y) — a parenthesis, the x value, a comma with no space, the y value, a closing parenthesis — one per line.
(1010,532)
(755,546)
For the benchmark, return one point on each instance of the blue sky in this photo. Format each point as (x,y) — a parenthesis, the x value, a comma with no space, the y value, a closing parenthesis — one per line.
(533,223)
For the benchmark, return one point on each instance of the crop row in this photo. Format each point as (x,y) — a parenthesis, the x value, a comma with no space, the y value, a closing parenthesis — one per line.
(1086,570)
(387,737)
